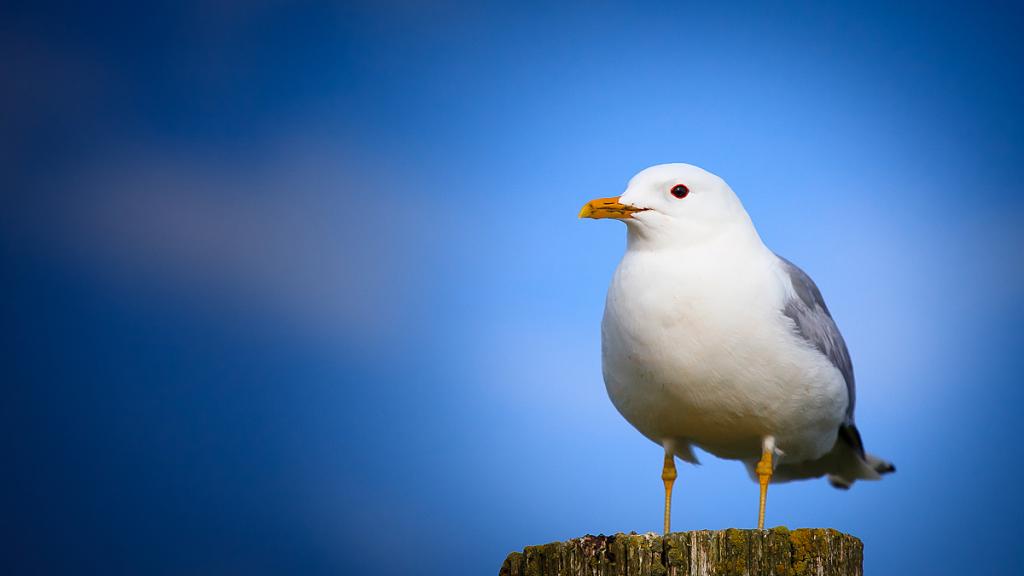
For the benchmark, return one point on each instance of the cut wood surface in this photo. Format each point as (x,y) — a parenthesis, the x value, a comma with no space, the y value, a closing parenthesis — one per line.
(776,552)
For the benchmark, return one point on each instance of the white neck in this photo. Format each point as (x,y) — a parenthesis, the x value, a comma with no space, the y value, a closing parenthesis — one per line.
(738,233)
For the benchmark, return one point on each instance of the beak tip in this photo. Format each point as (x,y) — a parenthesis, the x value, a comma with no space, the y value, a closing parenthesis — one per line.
(607,208)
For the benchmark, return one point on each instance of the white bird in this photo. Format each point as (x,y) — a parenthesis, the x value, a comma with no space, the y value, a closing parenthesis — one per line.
(710,339)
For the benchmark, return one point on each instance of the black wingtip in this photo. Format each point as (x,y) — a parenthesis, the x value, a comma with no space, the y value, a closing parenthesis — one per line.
(839,484)
(849,434)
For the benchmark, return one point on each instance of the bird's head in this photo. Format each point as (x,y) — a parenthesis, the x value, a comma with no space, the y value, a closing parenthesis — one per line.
(673,205)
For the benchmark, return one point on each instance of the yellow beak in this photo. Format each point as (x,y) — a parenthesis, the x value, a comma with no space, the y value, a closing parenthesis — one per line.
(608,208)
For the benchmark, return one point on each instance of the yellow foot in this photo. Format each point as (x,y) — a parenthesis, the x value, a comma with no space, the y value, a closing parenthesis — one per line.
(668,475)
(764,476)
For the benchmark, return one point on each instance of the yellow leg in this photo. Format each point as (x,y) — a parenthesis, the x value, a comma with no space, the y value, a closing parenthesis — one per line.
(764,476)
(668,475)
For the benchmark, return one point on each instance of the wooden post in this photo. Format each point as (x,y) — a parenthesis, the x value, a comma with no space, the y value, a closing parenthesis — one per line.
(775,552)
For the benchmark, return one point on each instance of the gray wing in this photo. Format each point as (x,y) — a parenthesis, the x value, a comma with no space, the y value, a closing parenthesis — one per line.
(814,322)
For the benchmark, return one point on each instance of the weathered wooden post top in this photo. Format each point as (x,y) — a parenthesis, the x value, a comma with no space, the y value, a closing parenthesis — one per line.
(775,552)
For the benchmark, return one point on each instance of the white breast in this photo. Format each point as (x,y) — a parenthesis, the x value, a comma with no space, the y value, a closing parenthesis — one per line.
(696,350)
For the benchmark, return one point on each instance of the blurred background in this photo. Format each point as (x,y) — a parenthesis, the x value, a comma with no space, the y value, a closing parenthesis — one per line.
(301,288)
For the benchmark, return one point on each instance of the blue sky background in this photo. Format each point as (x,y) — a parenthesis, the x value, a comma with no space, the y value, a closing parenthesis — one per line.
(301,289)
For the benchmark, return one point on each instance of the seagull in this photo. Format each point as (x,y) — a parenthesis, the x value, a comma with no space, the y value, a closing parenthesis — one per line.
(710,339)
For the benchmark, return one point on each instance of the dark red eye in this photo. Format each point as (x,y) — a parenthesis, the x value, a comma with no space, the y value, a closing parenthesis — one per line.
(680,191)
